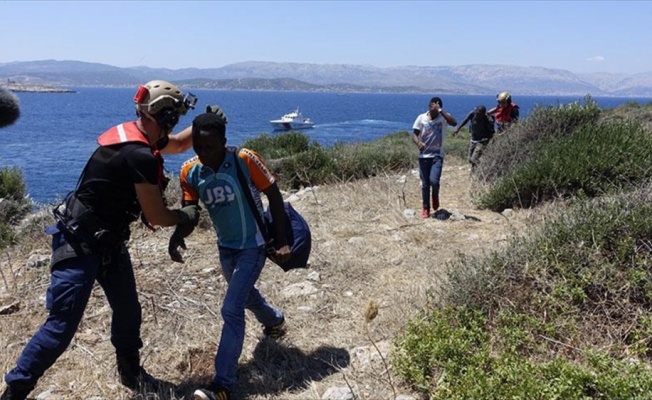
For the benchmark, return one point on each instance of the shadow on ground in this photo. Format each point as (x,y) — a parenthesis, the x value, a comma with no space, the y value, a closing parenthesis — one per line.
(274,368)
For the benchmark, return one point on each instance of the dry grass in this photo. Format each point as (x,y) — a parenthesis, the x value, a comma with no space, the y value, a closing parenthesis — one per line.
(372,269)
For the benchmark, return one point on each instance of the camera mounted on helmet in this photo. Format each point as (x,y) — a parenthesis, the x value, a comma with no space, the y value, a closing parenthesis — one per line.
(164,102)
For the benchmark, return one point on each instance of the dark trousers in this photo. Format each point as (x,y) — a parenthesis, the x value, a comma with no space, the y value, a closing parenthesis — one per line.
(71,282)
(475,151)
(430,173)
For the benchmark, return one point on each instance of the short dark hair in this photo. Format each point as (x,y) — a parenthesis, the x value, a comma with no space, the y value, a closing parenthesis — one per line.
(436,100)
(208,122)
(481,109)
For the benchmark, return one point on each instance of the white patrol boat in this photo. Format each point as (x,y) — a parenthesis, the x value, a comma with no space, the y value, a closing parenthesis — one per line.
(292,121)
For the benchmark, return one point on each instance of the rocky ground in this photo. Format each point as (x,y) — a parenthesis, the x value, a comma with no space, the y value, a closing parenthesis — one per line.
(374,265)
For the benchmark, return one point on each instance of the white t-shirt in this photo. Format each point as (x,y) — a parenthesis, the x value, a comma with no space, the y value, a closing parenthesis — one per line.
(433,132)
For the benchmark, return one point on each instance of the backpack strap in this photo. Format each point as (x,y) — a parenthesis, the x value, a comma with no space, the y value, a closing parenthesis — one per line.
(252,204)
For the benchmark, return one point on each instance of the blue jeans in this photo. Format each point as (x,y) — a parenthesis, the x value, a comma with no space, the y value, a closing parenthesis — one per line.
(71,282)
(430,174)
(241,269)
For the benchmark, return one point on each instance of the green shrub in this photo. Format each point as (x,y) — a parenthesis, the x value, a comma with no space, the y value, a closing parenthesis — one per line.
(594,160)
(450,355)
(447,342)
(12,184)
(298,162)
(521,141)
(278,146)
(14,204)
(641,113)
(594,257)
(561,313)
(308,168)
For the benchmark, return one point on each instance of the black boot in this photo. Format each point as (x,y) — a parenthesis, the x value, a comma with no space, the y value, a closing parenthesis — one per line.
(132,375)
(16,391)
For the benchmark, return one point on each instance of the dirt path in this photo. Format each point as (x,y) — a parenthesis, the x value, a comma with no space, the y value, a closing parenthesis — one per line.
(366,253)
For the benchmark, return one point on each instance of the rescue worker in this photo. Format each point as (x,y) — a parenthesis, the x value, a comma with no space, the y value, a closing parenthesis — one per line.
(505,113)
(122,180)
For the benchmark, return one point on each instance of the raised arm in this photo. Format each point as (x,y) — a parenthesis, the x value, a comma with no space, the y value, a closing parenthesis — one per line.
(154,208)
(180,142)
(464,122)
(448,117)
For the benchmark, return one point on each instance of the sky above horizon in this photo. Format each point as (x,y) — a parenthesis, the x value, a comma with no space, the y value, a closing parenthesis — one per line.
(578,36)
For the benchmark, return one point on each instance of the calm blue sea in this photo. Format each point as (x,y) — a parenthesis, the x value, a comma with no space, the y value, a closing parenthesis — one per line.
(56,132)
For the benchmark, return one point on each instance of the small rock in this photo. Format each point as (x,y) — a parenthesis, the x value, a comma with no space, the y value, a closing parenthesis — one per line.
(38,261)
(299,289)
(456,215)
(356,240)
(337,393)
(409,213)
(313,276)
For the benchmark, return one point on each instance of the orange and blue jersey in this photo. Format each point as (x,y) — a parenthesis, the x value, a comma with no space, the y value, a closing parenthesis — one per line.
(222,195)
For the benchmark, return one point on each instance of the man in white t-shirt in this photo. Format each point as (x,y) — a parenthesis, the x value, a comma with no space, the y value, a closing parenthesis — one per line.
(429,131)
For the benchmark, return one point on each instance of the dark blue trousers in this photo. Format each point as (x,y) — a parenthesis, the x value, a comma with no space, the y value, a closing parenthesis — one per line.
(430,174)
(71,282)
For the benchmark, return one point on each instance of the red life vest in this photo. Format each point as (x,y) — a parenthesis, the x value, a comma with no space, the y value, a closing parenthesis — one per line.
(123,133)
(504,114)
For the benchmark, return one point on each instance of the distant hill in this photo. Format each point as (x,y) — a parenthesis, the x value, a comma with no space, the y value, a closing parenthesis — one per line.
(257,75)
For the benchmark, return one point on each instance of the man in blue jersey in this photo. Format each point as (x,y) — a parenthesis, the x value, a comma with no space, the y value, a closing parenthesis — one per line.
(212,177)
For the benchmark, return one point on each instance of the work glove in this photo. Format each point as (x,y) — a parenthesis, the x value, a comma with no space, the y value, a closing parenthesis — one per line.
(176,241)
(189,217)
(217,111)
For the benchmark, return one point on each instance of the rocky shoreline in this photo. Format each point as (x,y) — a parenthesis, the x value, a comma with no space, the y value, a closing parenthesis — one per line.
(17,87)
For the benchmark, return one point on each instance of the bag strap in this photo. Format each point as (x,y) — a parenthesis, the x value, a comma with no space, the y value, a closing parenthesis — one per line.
(250,198)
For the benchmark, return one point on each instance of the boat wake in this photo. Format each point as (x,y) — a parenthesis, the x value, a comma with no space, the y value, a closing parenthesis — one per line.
(364,122)
(357,130)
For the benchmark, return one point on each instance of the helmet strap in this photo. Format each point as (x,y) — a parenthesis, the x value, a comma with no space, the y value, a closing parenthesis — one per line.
(162,142)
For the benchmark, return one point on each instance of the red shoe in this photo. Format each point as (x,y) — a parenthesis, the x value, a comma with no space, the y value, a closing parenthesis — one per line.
(425,213)
(435,203)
